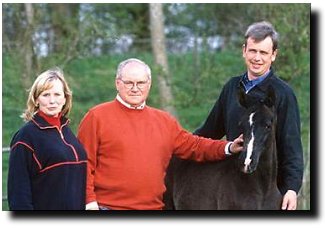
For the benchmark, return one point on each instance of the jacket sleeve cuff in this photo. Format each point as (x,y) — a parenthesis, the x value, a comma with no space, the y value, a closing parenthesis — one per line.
(227,149)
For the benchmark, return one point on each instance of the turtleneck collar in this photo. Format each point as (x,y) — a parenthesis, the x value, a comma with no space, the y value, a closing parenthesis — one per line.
(54,121)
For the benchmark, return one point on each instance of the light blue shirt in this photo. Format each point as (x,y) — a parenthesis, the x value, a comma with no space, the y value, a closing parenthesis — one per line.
(250,84)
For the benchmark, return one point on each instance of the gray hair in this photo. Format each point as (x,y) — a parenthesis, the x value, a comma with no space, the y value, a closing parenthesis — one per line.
(260,30)
(131,60)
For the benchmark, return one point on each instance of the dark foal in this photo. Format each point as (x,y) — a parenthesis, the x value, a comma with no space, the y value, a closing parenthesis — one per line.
(246,181)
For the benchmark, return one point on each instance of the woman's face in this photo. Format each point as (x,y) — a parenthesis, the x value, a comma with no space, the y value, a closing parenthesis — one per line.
(51,101)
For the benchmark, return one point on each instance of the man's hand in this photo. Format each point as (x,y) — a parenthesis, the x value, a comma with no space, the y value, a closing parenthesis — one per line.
(237,145)
(92,206)
(289,201)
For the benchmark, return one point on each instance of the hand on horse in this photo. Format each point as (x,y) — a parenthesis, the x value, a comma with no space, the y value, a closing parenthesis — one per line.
(237,145)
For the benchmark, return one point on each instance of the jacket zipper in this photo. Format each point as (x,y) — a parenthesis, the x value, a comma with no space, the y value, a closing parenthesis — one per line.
(65,142)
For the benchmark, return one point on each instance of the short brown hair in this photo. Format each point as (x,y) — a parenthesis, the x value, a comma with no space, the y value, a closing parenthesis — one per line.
(260,30)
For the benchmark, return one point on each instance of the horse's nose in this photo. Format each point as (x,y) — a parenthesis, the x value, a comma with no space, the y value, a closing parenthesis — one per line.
(247,169)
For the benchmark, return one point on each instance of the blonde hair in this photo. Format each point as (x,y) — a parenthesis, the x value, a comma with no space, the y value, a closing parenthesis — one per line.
(44,82)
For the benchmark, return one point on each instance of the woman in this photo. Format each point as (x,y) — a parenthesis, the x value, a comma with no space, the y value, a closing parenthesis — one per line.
(47,165)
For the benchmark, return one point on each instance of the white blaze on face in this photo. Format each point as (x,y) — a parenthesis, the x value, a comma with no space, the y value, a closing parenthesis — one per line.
(250,144)
(251,119)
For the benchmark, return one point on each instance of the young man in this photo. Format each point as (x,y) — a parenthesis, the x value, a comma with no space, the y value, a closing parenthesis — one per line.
(260,51)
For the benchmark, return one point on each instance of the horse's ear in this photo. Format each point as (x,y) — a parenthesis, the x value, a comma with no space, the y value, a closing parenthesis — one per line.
(270,97)
(241,95)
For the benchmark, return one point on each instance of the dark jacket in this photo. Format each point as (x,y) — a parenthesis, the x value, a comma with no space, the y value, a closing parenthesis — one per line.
(47,168)
(224,117)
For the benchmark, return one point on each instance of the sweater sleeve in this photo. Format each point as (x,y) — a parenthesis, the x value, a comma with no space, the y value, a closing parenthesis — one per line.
(289,145)
(19,182)
(189,146)
(87,134)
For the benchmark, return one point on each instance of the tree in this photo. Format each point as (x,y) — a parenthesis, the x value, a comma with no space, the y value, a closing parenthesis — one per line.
(64,22)
(29,54)
(159,51)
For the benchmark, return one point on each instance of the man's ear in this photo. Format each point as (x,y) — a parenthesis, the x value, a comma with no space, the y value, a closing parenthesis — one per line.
(117,84)
(274,54)
(244,50)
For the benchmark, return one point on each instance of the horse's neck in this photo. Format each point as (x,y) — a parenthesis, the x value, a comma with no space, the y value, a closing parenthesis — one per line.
(269,164)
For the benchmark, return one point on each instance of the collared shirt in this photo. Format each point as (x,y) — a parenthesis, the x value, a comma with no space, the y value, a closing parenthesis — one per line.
(128,105)
(250,84)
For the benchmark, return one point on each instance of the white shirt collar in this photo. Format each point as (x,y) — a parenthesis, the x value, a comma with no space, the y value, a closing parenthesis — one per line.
(128,105)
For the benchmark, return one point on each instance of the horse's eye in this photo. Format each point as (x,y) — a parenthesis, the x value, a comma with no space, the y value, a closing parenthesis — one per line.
(268,124)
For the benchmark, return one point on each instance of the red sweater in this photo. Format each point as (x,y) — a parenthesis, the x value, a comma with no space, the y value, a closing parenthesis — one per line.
(129,151)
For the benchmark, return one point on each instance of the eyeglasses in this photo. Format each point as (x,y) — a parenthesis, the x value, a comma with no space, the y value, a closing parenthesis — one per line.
(130,84)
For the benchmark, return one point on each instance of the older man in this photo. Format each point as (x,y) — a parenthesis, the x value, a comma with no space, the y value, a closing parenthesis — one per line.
(129,145)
